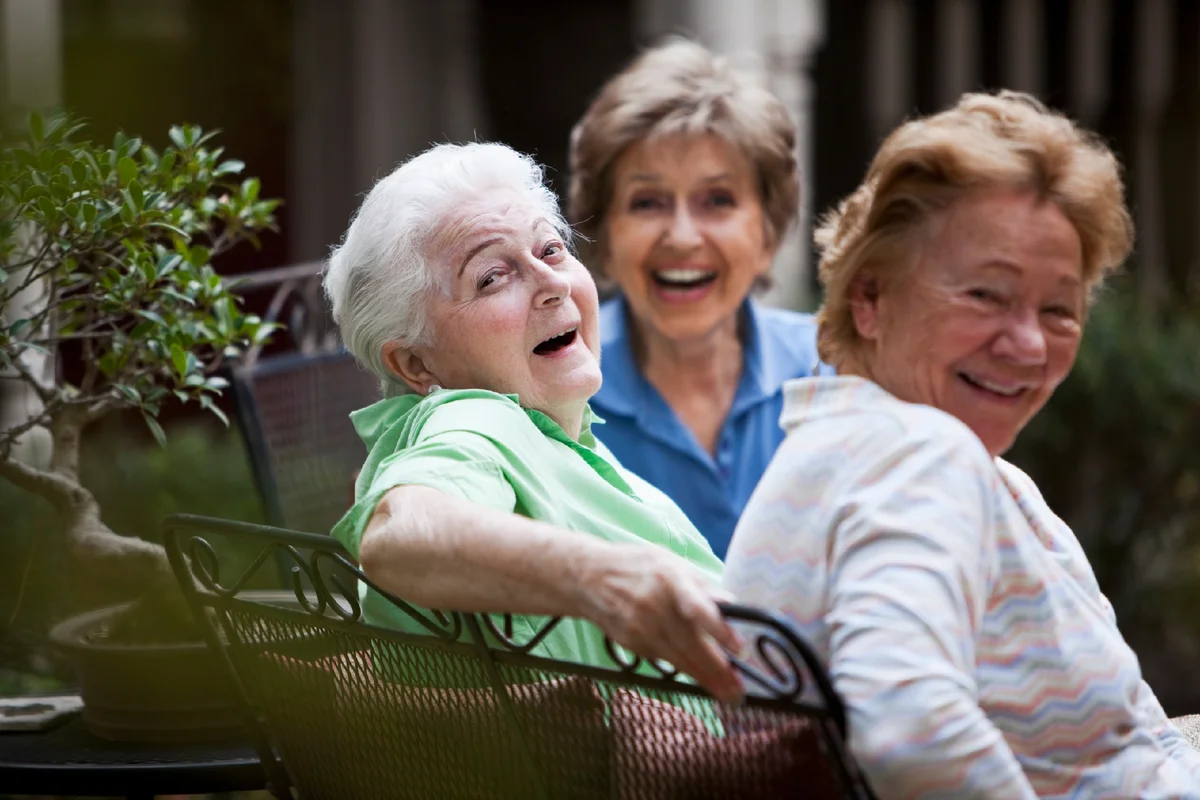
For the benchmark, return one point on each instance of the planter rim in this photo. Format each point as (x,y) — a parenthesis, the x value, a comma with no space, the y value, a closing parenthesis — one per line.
(68,634)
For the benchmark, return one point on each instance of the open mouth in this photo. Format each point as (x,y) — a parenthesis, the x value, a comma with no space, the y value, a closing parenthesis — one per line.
(1007,392)
(683,278)
(557,343)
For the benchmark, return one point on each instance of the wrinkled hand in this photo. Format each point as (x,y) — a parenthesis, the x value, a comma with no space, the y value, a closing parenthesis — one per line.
(656,604)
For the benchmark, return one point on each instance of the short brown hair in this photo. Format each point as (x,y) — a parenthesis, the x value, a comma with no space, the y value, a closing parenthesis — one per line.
(680,88)
(986,140)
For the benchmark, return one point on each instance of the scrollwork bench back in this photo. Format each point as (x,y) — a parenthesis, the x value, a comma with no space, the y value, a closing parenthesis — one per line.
(344,709)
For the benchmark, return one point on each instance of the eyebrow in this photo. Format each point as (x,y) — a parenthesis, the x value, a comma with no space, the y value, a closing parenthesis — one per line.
(645,177)
(1008,266)
(494,240)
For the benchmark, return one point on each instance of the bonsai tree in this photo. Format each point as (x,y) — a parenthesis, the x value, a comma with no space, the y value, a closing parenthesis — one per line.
(114,245)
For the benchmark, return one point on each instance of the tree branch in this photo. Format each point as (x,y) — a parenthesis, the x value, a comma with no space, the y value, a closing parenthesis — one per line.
(42,253)
(55,488)
(10,436)
(45,393)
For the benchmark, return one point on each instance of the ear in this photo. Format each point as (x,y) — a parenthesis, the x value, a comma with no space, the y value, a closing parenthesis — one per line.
(408,366)
(864,305)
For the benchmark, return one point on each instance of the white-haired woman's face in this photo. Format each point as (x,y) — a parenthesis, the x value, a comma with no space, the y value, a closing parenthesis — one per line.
(987,322)
(512,311)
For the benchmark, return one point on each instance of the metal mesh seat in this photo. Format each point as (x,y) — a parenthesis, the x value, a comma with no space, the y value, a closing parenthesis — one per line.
(345,709)
(293,411)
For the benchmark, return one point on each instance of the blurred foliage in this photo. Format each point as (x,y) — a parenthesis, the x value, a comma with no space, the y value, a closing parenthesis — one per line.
(121,239)
(1116,452)
(202,470)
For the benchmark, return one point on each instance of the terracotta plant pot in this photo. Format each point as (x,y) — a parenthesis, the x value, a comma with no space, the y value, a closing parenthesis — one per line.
(158,692)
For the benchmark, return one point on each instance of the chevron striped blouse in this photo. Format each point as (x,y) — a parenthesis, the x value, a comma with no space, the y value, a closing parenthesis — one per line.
(960,619)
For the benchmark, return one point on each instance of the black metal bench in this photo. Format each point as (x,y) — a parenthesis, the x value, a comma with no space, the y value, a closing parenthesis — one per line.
(345,709)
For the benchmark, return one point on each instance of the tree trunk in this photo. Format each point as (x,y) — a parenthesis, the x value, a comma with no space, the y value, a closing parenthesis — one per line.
(132,567)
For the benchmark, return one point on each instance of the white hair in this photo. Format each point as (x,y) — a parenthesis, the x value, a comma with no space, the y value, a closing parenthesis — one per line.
(378,278)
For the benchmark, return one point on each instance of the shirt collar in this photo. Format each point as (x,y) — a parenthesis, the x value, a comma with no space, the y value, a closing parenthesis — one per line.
(772,354)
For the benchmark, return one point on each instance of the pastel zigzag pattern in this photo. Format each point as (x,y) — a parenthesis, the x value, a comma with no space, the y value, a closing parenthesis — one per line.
(958,615)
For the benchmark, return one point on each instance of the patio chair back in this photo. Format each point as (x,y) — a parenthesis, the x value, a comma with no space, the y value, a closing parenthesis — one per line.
(462,710)
(293,411)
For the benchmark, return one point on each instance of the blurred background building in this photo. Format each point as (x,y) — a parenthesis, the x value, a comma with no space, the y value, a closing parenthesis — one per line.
(322,97)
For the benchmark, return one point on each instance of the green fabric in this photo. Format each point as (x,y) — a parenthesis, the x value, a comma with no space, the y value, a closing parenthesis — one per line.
(484,447)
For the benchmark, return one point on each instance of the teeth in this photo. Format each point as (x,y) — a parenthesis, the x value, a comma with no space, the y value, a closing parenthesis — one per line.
(995,387)
(682,275)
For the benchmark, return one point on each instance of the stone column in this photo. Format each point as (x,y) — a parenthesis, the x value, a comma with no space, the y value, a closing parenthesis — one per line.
(32,70)
(377,81)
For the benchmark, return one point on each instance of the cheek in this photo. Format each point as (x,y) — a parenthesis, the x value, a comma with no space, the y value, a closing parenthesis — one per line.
(743,237)
(1062,351)
(628,244)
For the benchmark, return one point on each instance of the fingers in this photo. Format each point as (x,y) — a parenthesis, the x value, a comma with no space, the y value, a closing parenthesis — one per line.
(704,637)
(701,610)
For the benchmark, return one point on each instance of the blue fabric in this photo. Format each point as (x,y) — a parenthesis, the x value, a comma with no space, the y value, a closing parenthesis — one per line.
(647,438)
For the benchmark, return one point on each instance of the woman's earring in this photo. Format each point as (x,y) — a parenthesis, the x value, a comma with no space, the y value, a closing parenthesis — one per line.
(433,387)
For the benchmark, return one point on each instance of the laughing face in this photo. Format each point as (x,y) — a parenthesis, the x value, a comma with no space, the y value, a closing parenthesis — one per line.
(686,235)
(512,311)
(986,322)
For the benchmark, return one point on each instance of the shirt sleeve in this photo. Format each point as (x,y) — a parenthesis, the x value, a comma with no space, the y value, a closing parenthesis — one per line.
(459,463)
(910,568)
(1177,748)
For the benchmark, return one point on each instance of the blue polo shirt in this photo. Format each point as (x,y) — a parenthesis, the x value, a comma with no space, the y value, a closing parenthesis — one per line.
(647,438)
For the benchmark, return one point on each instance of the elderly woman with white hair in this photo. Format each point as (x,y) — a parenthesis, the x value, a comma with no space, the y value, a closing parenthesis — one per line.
(484,488)
(959,617)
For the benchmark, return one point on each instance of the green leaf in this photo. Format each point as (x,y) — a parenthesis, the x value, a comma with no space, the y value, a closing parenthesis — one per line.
(89,213)
(33,191)
(250,188)
(37,127)
(129,393)
(199,255)
(154,317)
(169,227)
(160,436)
(126,169)
(137,195)
(18,326)
(180,359)
(229,167)
(182,395)
(183,298)
(207,402)
(46,206)
(178,137)
(167,262)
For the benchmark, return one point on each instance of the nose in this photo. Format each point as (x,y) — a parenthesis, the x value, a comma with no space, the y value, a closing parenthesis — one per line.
(552,286)
(683,233)
(1023,341)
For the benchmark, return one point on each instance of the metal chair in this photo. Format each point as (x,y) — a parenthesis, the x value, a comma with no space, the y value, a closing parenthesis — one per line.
(293,399)
(345,709)
(294,414)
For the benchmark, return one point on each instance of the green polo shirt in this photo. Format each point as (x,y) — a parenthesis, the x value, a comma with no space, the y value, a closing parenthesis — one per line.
(484,447)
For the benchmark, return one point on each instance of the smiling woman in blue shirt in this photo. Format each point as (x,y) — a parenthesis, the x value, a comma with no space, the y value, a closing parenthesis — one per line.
(683,181)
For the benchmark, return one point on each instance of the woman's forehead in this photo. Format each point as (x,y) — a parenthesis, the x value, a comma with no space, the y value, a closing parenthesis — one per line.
(505,217)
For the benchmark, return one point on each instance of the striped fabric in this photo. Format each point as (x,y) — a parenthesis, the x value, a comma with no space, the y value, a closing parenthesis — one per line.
(959,616)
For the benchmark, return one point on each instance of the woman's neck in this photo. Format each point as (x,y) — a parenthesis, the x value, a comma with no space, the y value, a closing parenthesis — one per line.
(710,363)
(697,378)
(569,419)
